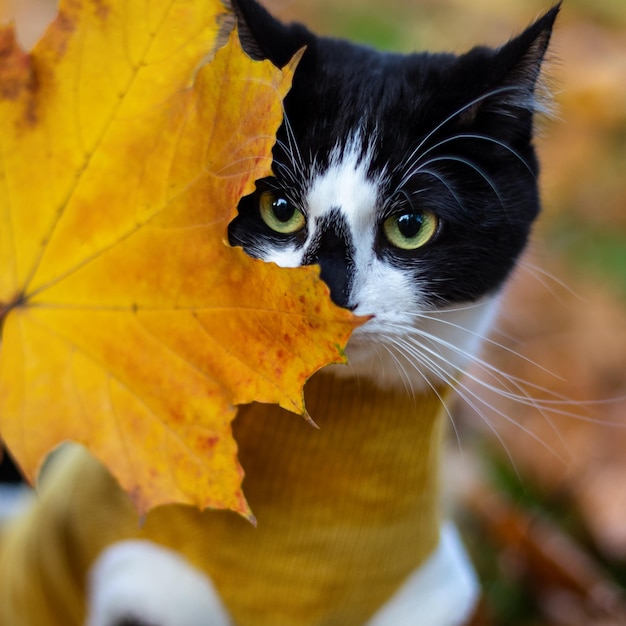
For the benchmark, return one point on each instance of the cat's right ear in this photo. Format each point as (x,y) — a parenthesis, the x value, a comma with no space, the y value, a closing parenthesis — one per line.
(263,36)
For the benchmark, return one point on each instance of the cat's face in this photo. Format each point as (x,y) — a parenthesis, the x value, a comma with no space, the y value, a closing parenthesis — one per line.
(410,180)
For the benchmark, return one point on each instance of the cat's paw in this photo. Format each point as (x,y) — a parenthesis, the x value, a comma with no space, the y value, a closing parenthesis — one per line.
(139,583)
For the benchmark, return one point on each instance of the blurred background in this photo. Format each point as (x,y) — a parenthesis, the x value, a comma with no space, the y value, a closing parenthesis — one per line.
(539,482)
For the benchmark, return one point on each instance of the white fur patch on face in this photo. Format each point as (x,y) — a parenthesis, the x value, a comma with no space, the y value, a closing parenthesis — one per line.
(414,349)
(345,186)
(342,186)
(152,584)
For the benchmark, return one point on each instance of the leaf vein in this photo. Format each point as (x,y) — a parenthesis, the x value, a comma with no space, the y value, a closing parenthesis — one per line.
(88,157)
(119,380)
(10,208)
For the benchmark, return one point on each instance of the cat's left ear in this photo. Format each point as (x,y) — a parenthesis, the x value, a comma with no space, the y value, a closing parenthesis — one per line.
(511,84)
(264,37)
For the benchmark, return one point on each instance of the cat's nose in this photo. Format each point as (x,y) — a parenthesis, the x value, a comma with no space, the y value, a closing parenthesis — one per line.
(333,251)
(336,274)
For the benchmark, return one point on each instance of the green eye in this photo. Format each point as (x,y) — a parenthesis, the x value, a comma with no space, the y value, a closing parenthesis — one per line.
(410,230)
(280,214)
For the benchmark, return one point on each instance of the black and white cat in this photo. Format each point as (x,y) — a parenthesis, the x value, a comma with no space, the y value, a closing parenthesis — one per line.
(412,182)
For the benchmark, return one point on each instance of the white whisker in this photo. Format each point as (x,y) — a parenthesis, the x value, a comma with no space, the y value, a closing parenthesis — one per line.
(394,343)
(544,278)
(488,340)
(472,166)
(439,364)
(505,384)
(416,357)
(479,137)
(434,174)
(453,116)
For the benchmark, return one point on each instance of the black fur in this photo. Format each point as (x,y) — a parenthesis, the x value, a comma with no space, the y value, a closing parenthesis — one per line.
(471,116)
(333,250)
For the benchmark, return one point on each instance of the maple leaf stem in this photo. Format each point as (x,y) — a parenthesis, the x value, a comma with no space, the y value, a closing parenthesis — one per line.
(309,420)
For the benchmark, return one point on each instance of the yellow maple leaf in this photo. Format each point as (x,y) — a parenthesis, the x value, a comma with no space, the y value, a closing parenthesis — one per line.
(128,323)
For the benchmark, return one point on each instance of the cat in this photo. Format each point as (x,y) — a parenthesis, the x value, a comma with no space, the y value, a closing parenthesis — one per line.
(411,180)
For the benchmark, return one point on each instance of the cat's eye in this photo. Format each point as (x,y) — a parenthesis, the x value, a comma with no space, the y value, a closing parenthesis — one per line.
(410,230)
(280,214)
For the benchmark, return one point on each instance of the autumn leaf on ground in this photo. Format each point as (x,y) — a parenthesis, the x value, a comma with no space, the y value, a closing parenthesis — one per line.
(128,323)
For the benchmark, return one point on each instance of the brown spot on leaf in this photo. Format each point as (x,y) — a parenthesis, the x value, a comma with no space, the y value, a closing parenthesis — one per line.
(58,37)
(207,444)
(16,71)
(102,9)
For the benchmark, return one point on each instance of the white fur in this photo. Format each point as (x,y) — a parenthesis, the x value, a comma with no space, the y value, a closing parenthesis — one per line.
(154,584)
(345,185)
(459,332)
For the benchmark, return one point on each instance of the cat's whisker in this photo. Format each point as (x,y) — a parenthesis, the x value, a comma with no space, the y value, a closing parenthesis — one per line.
(392,343)
(521,396)
(407,380)
(381,349)
(505,385)
(440,178)
(417,358)
(292,151)
(439,364)
(453,309)
(485,339)
(478,137)
(402,198)
(500,377)
(415,154)
(473,166)
(288,172)
(544,278)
